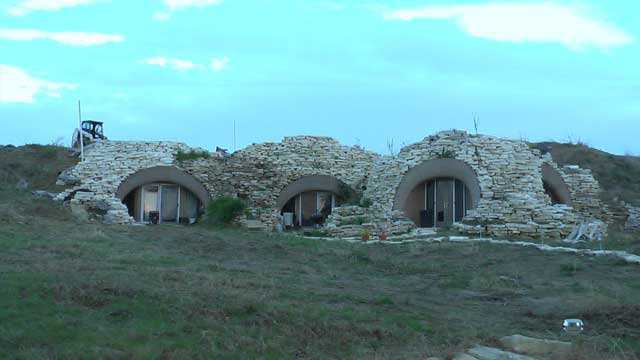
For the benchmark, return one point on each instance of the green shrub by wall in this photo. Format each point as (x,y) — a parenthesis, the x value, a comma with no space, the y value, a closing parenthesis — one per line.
(223,210)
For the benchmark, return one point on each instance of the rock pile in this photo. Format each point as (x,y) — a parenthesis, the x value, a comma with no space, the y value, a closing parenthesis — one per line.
(352,221)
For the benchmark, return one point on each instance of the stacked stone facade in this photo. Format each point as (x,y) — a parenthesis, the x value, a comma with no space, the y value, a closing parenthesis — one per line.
(633,221)
(106,165)
(512,202)
(259,173)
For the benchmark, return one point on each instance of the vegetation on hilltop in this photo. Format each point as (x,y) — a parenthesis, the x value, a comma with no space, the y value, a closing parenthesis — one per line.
(39,165)
(618,175)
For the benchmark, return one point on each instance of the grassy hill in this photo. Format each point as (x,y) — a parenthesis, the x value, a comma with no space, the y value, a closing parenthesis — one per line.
(75,290)
(619,176)
(38,164)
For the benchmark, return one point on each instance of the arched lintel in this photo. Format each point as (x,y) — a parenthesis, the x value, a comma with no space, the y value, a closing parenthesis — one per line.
(163,174)
(434,169)
(309,183)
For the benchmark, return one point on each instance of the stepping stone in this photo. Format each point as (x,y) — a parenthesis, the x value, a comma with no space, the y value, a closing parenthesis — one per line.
(487,353)
(463,356)
(531,346)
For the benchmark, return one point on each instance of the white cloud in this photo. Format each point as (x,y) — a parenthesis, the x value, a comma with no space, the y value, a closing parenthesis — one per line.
(161,16)
(517,22)
(67,38)
(16,86)
(27,6)
(176,64)
(176,5)
(219,64)
(180,4)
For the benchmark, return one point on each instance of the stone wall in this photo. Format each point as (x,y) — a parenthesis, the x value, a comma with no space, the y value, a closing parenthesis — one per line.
(512,201)
(94,181)
(352,221)
(633,221)
(259,173)
(585,192)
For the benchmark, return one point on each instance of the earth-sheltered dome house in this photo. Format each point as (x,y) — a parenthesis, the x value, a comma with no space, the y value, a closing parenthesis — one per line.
(476,184)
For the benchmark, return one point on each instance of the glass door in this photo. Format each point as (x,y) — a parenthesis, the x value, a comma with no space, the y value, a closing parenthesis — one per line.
(169,203)
(150,201)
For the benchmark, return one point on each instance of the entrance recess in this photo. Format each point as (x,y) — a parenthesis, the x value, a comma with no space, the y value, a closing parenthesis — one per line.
(163,194)
(445,201)
(309,208)
(554,186)
(438,193)
(309,200)
(160,203)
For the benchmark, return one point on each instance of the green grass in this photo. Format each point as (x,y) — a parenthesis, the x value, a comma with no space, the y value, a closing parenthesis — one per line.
(80,291)
(92,291)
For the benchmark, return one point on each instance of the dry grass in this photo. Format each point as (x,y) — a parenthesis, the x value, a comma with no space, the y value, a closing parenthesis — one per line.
(81,290)
(77,291)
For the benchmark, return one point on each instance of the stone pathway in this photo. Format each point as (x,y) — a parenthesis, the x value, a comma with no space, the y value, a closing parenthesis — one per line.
(429,238)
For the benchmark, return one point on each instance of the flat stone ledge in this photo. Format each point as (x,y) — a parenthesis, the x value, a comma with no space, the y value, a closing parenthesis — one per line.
(628,257)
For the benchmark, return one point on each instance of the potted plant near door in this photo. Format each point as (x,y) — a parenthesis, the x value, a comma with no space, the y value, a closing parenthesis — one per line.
(383,235)
(366,235)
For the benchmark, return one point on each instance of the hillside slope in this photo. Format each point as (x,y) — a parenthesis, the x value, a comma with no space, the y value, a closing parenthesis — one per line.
(39,165)
(619,176)
(80,290)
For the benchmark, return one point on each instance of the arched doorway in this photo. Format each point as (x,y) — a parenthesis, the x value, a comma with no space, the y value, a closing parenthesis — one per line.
(310,200)
(554,186)
(163,195)
(438,202)
(438,193)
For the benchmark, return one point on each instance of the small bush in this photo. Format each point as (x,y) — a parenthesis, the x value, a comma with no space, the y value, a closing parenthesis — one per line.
(446,154)
(192,155)
(348,196)
(366,203)
(223,210)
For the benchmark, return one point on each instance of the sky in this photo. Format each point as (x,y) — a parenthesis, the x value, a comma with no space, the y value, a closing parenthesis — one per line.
(370,73)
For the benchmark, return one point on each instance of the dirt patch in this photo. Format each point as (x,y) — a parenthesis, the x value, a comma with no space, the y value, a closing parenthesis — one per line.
(618,321)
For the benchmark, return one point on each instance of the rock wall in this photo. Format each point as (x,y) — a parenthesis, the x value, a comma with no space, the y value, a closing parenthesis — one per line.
(259,173)
(633,221)
(585,192)
(352,221)
(94,181)
(512,203)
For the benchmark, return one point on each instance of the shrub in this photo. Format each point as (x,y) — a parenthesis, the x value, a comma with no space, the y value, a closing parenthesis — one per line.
(348,196)
(223,210)
(366,203)
(446,154)
(192,155)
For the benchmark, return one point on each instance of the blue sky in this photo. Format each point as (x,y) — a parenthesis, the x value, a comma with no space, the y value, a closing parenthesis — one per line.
(363,72)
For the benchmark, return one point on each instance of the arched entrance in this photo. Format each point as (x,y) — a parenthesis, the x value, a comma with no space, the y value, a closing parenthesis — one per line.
(438,193)
(554,186)
(163,195)
(309,200)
